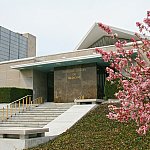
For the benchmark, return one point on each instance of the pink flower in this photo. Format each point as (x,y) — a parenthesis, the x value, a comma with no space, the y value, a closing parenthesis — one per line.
(105,28)
(147,21)
(148,13)
(138,24)
(133,40)
(133,73)
(148,54)
(143,129)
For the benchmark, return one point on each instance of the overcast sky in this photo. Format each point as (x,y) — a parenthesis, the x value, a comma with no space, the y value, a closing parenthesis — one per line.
(59,25)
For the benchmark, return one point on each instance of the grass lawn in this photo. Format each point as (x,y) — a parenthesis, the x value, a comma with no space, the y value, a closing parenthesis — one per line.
(96,132)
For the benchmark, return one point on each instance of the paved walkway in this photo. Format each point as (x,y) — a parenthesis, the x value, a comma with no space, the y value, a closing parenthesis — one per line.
(67,119)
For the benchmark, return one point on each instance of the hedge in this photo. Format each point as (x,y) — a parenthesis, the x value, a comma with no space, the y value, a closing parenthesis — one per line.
(8,95)
(111,87)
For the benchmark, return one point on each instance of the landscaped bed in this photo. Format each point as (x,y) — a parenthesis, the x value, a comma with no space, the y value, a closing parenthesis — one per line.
(96,132)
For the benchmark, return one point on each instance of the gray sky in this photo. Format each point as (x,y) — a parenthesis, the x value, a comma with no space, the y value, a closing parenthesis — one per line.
(59,25)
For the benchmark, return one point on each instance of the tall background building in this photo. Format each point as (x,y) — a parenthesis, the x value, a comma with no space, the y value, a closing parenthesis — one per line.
(15,45)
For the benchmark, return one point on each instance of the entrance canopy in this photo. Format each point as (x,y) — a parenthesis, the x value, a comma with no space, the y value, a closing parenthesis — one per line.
(46,66)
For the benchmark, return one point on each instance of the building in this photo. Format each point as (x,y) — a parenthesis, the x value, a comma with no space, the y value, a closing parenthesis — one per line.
(66,76)
(15,45)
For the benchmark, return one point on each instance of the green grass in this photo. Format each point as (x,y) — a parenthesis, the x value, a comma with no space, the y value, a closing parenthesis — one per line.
(96,132)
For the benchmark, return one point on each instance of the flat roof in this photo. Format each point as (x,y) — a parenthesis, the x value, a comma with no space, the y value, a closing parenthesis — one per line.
(17,60)
(81,55)
(47,66)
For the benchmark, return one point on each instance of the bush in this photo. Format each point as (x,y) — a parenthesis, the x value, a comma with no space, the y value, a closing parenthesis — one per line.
(8,95)
(111,87)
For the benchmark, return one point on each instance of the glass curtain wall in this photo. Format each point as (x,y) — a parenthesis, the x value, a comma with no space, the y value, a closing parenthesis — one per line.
(12,45)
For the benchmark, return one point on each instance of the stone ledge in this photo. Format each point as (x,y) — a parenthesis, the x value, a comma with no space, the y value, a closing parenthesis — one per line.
(111,101)
(21,144)
(22,132)
(86,101)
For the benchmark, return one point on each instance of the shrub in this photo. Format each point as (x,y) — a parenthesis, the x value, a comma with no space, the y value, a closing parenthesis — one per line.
(10,94)
(111,87)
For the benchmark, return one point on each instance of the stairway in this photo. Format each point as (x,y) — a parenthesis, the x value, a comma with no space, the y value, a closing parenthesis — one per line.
(37,117)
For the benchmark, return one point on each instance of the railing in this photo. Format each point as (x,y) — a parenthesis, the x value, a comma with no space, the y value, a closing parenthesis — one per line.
(80,97)
(38,101)
(20,105)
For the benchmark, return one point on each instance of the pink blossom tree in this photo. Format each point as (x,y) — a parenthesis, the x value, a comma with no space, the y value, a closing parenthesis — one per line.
(132,68)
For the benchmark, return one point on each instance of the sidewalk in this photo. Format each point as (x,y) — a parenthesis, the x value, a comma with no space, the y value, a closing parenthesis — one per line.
(67,119)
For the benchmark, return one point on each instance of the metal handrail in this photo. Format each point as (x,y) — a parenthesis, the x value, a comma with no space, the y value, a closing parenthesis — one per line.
(38,100)
(20,105)
(80,97)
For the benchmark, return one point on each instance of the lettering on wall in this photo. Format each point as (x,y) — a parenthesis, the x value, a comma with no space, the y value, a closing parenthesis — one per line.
(73,76)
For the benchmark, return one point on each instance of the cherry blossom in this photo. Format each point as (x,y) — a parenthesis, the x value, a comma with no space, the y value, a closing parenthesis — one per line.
(132,68)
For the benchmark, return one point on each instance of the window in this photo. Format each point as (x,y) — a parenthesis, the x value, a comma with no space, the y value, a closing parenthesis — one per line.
(5,30)
(6,35)
(4,38)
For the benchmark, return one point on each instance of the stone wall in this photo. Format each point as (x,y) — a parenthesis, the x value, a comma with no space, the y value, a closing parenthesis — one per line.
(39,84)
(75,82)
(15,78)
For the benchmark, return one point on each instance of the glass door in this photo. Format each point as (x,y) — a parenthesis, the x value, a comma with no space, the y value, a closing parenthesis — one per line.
(50,87)
(101,77)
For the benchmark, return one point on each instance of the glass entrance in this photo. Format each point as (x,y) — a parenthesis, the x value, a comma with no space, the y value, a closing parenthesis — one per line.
(101,77)
(50,86)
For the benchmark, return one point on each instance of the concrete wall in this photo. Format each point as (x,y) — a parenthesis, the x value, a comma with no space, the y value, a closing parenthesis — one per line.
(39,84)
(25,78)
(31,44)
(15,78)
(72,82)
(21,144)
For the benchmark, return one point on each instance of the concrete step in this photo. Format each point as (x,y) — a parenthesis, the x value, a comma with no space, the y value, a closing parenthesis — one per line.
(13,111)
(40,112)
(46,111)
(56,104)
(35,110)
(21,125)
(29,119)
(39,107)
(52,106)
(25,122)
(36,116)
(33,117)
